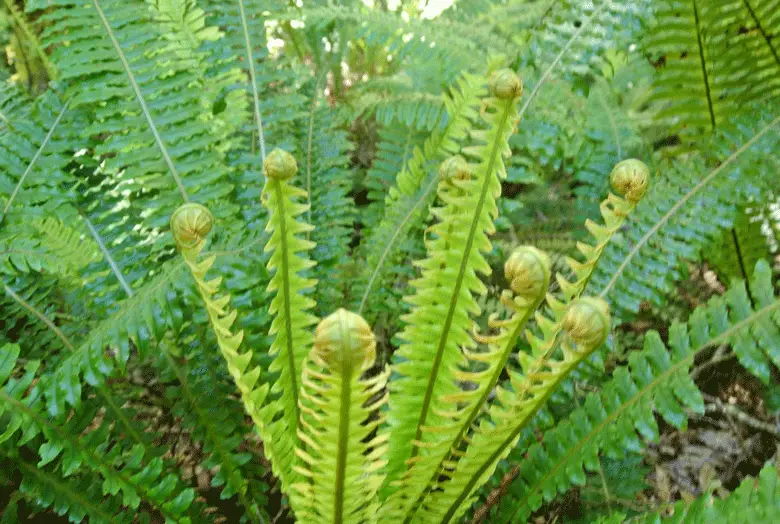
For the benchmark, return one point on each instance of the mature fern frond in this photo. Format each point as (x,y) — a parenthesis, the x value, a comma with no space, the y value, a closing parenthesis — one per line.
(332,211)
(717,57)
(342,461)
(669,225)
(137,479)
(45,245)
(440,323)
(656,380)
(151,122)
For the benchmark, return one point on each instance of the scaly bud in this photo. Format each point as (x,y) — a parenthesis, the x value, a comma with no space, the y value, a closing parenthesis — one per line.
(506,85)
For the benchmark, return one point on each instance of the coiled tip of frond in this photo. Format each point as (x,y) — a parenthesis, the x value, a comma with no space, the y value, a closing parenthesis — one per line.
(506,85)
(280,165)
(454,168)
(528,272)
(587,320)
(190,224)
(630,178)
(344,339)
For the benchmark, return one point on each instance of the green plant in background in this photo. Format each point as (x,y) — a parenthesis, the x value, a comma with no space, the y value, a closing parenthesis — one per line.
(383,307)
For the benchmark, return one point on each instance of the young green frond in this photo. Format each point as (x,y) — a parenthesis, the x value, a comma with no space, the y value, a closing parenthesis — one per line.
(528,272)
(339,447)
(291,304)
(440,323)
(496,435)
(190,224)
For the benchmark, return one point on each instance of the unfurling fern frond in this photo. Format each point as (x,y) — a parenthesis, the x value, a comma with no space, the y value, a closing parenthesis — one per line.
(407,202)
(291,305)
(443,302)
(655,381)
(528,272)
(670,225)
(341,454)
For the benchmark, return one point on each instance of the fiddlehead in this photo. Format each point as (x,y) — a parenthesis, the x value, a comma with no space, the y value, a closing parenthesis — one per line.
(528,272)
(440,324)
(190,225)
(578,317)
(291,304)
(339,414)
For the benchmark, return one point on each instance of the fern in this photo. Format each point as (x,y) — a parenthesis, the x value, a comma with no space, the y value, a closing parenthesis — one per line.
(719,55)
(341,461)
(655,380)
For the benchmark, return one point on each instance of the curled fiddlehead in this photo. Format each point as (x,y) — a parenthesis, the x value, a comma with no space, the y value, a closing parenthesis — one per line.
(190,225)
(291,304)
(341,461)
(541,373)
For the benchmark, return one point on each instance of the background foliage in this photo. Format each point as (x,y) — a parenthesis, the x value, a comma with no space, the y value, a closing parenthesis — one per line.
(115,403)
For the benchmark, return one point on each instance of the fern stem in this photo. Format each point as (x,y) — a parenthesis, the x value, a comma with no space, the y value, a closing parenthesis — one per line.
(35,158)
(389,246)
(140,97)
(660,379)
(703,62)
(308,148)
(253,79)
(345,408)
(106,253)
(762,30)
(557,59)
(285,269)
(508,105)
(658,225)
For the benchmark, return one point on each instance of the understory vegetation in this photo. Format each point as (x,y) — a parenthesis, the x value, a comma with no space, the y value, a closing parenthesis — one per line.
(389,261)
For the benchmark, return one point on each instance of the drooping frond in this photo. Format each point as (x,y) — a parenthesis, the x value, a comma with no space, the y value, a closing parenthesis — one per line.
(716,58)
(341,454)
(655,381)
(444,299)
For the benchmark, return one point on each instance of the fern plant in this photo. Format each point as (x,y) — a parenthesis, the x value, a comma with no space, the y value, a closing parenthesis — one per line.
(264,263)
